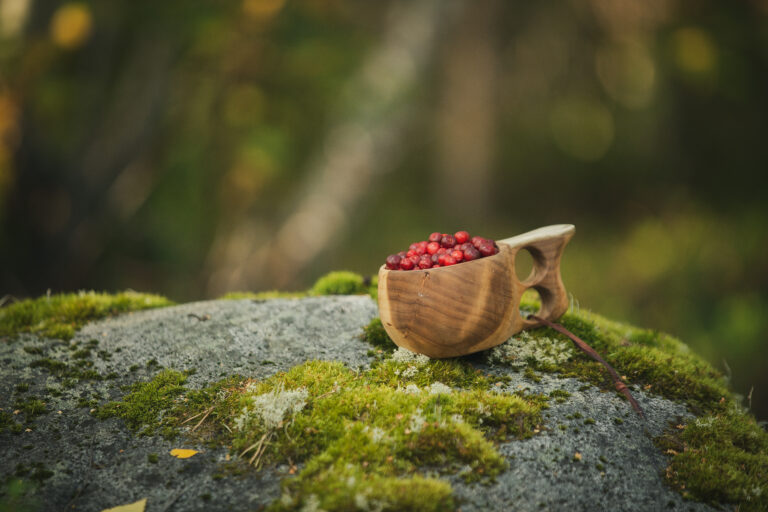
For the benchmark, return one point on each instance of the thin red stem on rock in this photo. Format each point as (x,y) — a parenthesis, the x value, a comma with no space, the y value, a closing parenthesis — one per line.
(617,382)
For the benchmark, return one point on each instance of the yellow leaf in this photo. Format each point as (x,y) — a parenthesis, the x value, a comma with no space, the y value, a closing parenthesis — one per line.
(181,453)
(139,506)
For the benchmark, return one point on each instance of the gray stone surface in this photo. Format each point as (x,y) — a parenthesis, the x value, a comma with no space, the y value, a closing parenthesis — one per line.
(100,464)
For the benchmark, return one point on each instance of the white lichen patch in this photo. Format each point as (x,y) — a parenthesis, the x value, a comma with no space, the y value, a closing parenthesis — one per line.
(411,389)
(270,409)
(524,349)
(417,421)
(438,388)
(403,355)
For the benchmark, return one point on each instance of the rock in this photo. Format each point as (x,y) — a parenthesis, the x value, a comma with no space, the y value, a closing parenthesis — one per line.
(593,454)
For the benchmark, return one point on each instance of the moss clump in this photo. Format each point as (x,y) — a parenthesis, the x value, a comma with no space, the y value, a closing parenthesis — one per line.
(720,458)
(59,316)
(370,437)
(339,283)
(375,334)
(365,429)
(333,283)
(32,407)
(70,374)
(143,407)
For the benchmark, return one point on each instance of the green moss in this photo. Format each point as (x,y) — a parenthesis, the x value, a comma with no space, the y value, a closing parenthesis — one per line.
(70,375)
(32,407)
(339,283)
(152,458)
(375,334)
(334,283)
(59,316)
(374,437)
(721,459)
(142,408)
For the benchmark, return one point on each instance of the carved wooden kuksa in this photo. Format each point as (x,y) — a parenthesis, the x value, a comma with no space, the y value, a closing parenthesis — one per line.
(461,309)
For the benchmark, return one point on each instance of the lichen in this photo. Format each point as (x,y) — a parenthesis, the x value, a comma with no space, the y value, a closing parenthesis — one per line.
(60,316)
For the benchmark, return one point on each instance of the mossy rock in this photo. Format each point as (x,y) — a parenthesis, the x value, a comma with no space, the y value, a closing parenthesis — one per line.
(300,402)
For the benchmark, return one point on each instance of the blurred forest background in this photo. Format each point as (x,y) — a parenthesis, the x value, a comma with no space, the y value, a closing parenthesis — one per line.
(193,147)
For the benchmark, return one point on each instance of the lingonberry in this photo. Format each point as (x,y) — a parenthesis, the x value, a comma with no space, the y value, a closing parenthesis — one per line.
(442,250)
(448,241)
(393,261)
(486,248)
(471,254)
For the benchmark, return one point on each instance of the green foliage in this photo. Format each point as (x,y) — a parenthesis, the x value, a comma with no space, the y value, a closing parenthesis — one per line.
(720,458)
(143,407)
(59,316)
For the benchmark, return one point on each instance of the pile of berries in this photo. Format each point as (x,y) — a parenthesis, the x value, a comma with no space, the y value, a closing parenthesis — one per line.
(442,250)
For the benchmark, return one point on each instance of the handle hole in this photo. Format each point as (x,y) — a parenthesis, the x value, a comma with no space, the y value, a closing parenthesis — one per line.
(530,303)
(523,264)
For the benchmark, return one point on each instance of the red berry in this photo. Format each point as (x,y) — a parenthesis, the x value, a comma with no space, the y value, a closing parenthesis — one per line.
(435,266)
(432,247)
(441,258)
(457,255)
(461,236)
(434,258)
(403,254)
(406,264)
(413,246)
(477,240)
(448,241)
(471,254)
(425,261)
(465,246)
(442,250)
(410,253)
(435,237)
(449,260)
(486,248)
(393,262)
(415,259)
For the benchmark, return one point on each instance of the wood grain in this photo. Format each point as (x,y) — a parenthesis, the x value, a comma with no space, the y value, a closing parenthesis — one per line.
(473,306)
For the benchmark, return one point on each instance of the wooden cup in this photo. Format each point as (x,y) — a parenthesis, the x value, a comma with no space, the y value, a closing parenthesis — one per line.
(461,309)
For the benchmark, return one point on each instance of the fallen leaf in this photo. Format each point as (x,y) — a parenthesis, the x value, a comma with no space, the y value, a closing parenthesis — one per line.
(139,506)
(577,456)
(183,453)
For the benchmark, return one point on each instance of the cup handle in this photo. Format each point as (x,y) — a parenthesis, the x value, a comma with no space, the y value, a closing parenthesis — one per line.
(546,246)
